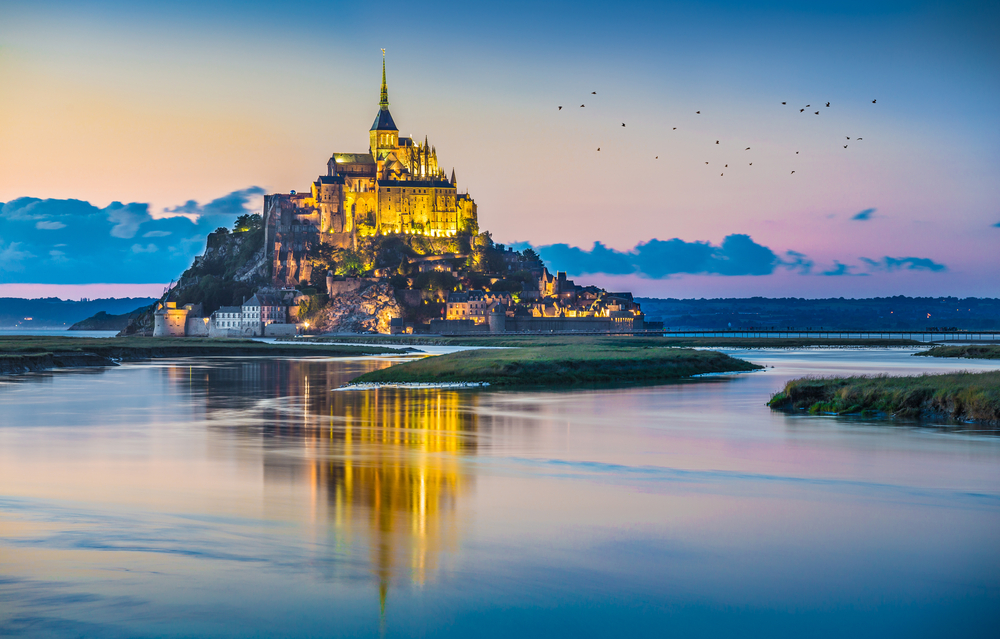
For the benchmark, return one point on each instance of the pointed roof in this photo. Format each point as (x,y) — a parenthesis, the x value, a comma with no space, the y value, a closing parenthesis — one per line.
(383,120)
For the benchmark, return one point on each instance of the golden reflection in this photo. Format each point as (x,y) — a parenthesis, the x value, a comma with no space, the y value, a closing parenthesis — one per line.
(379,469)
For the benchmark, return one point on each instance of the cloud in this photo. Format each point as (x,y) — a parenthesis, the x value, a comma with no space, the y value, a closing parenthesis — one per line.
(12,257)
(838,269)
(227,206)
(796,261)
(864,215)
(75,242)
(889,264)
(737,255)
(127,218)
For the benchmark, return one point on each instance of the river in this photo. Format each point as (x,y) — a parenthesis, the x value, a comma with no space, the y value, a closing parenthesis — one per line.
(244,498)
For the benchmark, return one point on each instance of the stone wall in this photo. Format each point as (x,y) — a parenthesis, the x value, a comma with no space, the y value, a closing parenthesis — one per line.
(537,325)
(350,285)
(196,327)
(280,330)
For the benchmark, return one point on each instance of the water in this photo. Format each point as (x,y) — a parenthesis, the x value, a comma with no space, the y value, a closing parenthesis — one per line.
(55,332)
(242,498)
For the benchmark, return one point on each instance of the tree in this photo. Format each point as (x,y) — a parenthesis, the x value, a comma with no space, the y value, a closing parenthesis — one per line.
(351,264)
(248,222)
(222,231)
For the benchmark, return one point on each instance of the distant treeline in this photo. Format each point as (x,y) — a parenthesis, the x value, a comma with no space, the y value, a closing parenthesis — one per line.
(872,314)
(52,312)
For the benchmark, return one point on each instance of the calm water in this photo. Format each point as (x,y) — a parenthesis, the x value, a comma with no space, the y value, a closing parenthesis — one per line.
(243,498)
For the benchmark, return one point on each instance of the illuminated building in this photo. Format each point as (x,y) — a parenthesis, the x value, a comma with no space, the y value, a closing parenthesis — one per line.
(396,187)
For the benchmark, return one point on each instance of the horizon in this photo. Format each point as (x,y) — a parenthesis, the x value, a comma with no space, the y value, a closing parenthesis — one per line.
(173,122)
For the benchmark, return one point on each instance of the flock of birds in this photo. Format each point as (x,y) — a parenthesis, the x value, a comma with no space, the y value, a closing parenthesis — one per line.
(802,110)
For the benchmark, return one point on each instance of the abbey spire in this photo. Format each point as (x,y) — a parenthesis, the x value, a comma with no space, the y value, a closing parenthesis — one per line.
(383,103)
(383,120)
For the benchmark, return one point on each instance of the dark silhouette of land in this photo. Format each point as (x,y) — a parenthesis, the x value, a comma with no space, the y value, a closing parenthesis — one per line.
(871,314)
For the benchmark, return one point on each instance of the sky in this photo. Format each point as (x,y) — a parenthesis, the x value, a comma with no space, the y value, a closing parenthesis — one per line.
(130,130)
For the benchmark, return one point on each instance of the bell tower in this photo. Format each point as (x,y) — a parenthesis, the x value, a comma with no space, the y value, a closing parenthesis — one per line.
(384,135)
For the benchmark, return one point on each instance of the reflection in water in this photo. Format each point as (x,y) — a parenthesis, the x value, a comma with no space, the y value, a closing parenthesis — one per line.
(383,465)
(246,498)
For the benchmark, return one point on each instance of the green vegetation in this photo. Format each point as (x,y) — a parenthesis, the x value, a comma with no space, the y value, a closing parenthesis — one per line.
(559,366)
(970,352)
(18,353)
(586,341)
(960,396)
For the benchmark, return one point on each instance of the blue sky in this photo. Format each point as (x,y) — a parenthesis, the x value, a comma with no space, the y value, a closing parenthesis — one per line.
(162,103)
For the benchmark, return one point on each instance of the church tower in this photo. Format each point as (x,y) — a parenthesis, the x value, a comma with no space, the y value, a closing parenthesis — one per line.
(384,136)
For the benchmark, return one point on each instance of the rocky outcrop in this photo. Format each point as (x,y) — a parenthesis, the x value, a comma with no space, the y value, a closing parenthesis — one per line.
(363,311)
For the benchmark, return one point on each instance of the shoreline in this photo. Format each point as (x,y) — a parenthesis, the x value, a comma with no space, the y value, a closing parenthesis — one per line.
(541,340)
(959,397)
(19,355)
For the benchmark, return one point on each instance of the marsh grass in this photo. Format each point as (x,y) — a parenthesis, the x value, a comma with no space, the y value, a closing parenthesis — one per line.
(961,396)
(560,366)
(991,351)
(144,347)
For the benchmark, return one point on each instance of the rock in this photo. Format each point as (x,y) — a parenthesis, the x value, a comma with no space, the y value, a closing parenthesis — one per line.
(364,311)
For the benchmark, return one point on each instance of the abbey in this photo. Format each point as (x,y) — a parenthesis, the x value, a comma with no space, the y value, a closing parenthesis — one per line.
(397,187)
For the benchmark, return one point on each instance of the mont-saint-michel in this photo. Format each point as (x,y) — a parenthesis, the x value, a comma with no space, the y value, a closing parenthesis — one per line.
(383,242)
(552,319)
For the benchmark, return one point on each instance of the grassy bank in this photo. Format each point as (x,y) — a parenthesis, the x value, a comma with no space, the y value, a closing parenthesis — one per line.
(559,366)
(959,396)
(971,352)
(31,353)
(587,341)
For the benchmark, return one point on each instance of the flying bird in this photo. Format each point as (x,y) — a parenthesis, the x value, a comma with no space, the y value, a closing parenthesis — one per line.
(598,148)
(706,162)
(582,105)
(675,128)
(751,164)
(801,110)
(845,146)
(697,111)
(716,141)
(793,173)
(860,138)
(726,167)
(721,174)
(560,108)
(848,137)
(817,113)
(623,124)
(808,105)
(784,103)
(796,153)
(593,93)
(748,148)
(873,101)
(827,104)
(657,157)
